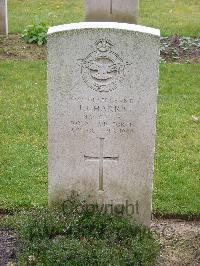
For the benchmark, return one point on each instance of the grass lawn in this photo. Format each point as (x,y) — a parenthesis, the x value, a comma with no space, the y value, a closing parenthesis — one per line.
(23,138)
(177,169)
(172,17)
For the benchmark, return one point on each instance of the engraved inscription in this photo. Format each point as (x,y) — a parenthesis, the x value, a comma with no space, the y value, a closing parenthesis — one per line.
(103,69)
(94,115)
(101,159)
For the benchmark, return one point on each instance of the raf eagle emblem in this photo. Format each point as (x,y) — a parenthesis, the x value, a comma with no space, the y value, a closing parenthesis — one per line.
(102,70)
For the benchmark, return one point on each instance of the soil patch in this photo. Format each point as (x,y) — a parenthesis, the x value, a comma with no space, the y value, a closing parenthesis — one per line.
(173,49)
(179,240)
(8,247)
(13,47)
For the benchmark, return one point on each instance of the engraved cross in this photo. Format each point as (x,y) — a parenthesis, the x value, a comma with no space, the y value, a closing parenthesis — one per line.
(101,160)
(111,6)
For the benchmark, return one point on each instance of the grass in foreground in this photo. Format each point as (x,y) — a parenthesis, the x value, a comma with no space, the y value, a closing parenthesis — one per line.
(23,139)
(172,17)
(75,235)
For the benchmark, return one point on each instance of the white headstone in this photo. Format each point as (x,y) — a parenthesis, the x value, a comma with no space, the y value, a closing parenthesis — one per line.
(3,17)
(112,10)
(102,87)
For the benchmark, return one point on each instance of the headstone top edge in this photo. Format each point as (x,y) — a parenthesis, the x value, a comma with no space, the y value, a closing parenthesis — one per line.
(104,25)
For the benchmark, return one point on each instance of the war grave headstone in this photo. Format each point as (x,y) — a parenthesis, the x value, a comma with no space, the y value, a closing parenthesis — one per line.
(112,10)
(3,17)
(102,86)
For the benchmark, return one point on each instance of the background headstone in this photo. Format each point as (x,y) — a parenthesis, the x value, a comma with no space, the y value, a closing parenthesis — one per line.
(3,17)
(112,10)
(102,86)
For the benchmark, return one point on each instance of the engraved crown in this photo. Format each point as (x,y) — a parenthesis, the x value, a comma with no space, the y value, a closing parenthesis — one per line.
(103,45)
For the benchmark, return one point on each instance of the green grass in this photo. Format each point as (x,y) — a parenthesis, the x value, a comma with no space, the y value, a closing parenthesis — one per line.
(177,169)
(172,17)
(52,12)
(23,138)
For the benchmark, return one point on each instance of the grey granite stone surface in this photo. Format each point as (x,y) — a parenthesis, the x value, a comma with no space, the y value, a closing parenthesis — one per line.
(112,10)
(102,88)
(3,17)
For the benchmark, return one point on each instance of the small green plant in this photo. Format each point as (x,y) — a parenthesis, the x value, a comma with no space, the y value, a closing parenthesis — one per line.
(175,48)
(70,237)
(36,33)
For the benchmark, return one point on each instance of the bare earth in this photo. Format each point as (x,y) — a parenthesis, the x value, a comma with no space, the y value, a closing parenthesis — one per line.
(8,247)
(13,47)
(179,240)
